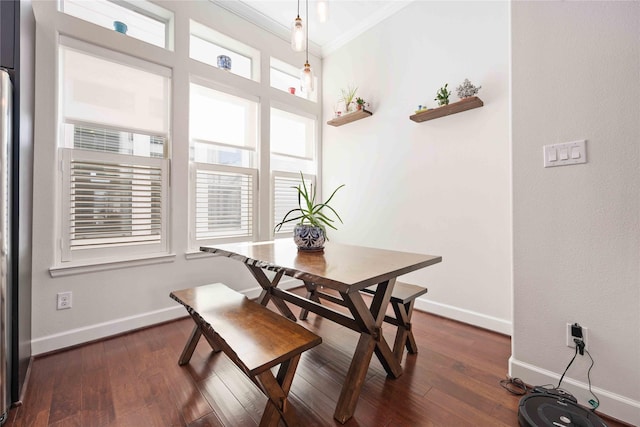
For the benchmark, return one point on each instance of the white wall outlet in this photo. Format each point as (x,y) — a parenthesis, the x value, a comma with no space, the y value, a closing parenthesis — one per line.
(64,300)
(570,337)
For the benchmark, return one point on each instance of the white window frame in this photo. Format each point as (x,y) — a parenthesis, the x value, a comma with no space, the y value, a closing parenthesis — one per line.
(125,251)
(52,25)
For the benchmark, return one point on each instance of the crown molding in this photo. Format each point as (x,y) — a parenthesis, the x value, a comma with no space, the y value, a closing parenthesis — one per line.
(251,15)
(372,20)
(255,17)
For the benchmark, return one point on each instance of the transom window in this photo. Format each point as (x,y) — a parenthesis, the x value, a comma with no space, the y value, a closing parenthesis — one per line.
(206,45)
(142,20)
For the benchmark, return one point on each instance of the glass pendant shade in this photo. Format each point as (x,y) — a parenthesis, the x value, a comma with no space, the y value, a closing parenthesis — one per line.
(306,78)
(297,35)
(323,10)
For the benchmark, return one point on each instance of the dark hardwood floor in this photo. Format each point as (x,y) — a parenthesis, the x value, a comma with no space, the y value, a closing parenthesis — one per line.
(134,380)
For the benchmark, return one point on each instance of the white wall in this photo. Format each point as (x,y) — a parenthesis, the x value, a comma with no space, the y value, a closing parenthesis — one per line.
(116,300)
(576,75)
(438,187)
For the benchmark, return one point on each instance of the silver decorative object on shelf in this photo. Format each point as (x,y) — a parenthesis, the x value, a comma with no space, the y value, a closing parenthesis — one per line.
(466,89)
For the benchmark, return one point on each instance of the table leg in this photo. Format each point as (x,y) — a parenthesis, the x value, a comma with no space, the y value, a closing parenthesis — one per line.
(311,295)
(355,378)
(266,294)
(371,340)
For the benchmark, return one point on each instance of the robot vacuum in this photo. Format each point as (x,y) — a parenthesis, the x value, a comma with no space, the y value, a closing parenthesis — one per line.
(554,408)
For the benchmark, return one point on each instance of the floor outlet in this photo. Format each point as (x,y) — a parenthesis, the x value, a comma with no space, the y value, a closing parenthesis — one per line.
(64,300)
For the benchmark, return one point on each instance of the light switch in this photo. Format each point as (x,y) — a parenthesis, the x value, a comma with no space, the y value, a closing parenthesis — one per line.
(566,153)
(575,152)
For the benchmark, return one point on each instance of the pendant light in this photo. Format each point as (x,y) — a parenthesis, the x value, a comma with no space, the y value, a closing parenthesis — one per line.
(297,33)
(323,10)
(306,75)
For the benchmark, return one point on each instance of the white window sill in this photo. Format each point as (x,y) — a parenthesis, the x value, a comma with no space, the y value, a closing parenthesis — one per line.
(198,254)
(77,268)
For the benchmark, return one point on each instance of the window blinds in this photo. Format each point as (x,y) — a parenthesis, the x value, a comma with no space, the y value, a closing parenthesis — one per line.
(114,93)
(285,197)
(113,201)
(224,203)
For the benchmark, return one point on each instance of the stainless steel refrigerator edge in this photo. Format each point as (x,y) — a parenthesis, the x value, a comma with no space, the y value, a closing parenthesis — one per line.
(6,137)
(17,42)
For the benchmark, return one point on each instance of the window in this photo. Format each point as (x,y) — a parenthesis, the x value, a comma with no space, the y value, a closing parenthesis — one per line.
(223,127)
(206,45)
(109,105)
(144,20)
(112,203)
(224,134)
(285,76)
(293,150)
(224,201)
(114,133)
(292,142)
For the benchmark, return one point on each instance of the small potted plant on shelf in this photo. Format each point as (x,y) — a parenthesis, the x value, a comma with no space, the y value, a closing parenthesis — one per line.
(310,233)
(442,96)
(360,103)
(347,97)
(466,89)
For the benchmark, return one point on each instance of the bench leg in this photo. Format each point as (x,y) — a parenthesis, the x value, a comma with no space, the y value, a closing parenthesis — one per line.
(192,342)
(277,390)
(311,295)
(187,352)
(404,335)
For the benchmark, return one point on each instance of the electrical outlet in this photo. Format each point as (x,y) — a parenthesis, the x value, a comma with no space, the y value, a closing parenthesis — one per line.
(64,300)
(571,336)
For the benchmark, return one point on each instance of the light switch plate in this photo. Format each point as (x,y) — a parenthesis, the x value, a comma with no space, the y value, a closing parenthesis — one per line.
(566,153)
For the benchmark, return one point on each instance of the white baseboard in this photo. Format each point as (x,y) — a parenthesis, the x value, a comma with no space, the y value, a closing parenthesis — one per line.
(117,326)
(466,316)
(611,404)
(103,330)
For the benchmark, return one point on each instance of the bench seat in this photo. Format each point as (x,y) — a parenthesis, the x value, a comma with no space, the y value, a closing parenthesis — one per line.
(255,338)
(403,298)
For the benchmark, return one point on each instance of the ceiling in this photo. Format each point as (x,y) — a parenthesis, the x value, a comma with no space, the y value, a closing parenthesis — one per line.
(346,20)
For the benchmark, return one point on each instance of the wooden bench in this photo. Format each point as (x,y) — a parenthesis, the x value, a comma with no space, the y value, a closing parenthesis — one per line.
(403,298)
(255,338)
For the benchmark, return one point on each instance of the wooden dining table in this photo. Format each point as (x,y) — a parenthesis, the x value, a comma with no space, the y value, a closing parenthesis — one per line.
(346,270)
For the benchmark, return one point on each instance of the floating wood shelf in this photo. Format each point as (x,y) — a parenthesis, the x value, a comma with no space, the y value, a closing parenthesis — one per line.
(351,117)
(456,107)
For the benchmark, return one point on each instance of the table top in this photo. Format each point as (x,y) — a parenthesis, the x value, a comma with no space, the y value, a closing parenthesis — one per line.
(345,268)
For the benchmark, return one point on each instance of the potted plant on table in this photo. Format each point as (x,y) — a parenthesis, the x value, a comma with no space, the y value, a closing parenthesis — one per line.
(310,233)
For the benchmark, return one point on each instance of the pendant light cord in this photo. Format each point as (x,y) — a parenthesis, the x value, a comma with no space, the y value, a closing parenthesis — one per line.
(307,26)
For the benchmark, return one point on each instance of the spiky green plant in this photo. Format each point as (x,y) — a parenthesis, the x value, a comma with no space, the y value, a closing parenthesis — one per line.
(347,96)
(308,210)
(442,96)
